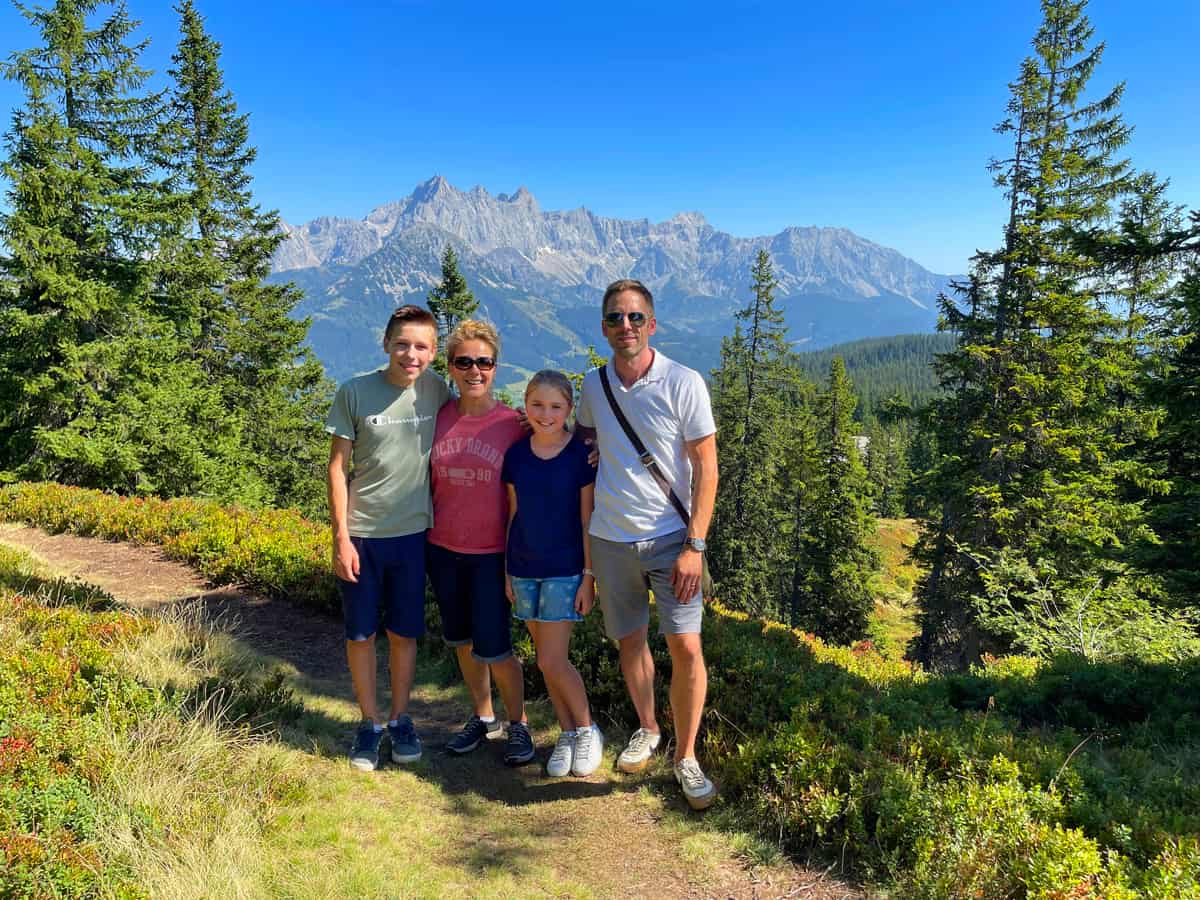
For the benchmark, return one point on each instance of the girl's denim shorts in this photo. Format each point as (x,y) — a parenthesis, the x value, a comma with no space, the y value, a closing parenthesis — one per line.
(546,599)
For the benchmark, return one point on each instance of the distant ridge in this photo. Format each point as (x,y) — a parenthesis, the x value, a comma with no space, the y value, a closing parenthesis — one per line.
(538,275)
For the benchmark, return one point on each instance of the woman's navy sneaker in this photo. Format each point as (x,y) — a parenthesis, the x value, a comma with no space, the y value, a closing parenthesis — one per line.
(406,745)
(519,749)
(365,755)
(475,731)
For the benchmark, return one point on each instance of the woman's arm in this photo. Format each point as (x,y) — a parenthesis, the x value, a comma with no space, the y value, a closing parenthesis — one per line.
(512,514)
(585,597)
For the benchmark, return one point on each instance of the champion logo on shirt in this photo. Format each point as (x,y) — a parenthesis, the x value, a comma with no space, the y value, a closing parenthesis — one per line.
(378,421)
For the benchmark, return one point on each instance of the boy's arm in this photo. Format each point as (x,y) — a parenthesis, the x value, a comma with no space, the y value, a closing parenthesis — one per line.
(345,557)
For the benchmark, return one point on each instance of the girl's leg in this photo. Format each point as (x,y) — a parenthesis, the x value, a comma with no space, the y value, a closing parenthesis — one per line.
(561,711)
(562,679)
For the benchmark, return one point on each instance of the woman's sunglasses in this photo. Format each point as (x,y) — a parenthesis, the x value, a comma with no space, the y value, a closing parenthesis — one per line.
(483,363)
(636,319)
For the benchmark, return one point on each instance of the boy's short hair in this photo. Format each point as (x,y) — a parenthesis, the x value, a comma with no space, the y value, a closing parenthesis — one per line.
(627,284)
(473,330)
(410,314)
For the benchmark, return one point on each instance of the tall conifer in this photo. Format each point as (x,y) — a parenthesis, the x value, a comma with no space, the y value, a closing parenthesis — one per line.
(80,346)
(1031,452)
(754,390)
(239,328)
(450,302)
(833,599)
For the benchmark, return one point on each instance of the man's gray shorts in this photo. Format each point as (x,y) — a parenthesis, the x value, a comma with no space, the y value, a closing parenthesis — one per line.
(625,572)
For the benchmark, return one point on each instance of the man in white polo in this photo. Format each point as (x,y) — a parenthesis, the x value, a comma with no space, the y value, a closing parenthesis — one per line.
(638,538)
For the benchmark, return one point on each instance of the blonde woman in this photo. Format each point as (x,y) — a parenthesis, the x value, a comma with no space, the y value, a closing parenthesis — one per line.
(465,547)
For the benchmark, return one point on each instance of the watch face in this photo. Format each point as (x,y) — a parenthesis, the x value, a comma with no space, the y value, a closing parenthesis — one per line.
(696,544)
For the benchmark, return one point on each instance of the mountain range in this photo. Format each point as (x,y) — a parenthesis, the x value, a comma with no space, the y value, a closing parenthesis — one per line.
(539,275)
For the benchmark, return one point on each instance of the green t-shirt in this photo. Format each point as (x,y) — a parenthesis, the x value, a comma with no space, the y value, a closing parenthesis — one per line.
(392,430)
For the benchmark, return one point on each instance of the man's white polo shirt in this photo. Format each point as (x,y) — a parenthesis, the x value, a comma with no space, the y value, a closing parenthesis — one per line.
(667,407)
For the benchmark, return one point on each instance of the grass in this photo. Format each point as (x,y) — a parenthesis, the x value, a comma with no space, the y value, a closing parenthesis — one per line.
(243,791)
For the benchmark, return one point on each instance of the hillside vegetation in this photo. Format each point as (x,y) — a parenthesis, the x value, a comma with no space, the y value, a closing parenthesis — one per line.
(882,368)
(1020,778)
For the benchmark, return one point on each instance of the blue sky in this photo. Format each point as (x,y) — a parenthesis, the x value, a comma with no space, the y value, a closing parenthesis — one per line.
(876,116)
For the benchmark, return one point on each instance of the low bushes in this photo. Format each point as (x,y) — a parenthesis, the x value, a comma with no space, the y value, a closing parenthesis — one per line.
(96,797)
(276,552)
(1021,779)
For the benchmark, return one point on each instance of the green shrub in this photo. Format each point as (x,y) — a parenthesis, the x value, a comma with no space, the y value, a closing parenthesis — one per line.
(1059,778)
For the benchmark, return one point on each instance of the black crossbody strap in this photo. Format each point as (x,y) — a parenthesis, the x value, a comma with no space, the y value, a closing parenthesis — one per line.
(643,454)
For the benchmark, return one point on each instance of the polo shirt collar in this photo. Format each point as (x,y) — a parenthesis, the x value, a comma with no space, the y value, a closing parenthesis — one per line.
(656,372)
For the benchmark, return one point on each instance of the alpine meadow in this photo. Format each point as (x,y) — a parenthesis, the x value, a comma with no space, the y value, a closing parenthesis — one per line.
(954,647)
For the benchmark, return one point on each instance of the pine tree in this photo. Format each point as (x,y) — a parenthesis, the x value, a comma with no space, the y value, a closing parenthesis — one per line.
(753,391)
(833,599)
(1173,386)
(1032,459)
(77,331)
(450,302)
(239,328)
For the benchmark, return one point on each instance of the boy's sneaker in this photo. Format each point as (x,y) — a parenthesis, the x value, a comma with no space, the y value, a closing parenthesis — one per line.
(406,745)
(563,755)
(589,750)
(472,733)
(636,755)
(365,755)
(700,792)
(519,749)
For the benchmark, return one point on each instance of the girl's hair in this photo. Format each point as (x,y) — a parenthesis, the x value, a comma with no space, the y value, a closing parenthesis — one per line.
(552,379)
(473,330)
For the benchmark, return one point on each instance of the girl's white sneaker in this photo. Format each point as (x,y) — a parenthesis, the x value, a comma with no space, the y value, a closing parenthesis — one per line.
(589,751)
(563,755)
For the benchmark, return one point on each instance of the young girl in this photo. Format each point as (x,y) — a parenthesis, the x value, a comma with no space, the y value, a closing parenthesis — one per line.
(550,582)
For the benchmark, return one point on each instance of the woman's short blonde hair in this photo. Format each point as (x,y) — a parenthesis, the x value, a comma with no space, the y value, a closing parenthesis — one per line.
(473,330)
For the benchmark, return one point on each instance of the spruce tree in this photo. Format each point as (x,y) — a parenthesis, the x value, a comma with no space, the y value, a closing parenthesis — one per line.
(83,357)
(450,302)
(1174,387)
(833,599)
(1032,456)
(753,391)
(239,328)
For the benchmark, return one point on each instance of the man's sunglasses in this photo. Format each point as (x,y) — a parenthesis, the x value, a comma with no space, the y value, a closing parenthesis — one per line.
(464,363)
(614,319)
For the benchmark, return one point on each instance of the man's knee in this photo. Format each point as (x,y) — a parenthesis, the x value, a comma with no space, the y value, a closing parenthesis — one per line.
(686,650)
(399,640)
(633,644)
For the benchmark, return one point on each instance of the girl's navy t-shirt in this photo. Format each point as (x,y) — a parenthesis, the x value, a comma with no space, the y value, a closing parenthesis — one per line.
(546,538)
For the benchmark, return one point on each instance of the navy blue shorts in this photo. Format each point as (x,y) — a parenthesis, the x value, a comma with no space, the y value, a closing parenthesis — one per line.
(470,594)
(391,575)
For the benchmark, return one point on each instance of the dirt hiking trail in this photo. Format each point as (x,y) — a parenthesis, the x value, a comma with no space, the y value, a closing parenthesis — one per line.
(609,835)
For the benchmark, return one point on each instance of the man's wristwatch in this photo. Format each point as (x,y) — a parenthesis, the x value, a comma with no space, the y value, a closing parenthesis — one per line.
(696,544)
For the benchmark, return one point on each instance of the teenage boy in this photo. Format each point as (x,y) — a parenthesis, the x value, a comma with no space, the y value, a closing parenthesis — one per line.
(637,537)
(382,426)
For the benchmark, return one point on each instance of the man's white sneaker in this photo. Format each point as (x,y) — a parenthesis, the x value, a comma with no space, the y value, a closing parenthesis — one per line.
(563,755)
(636,754)
(700,792)
(589,750)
